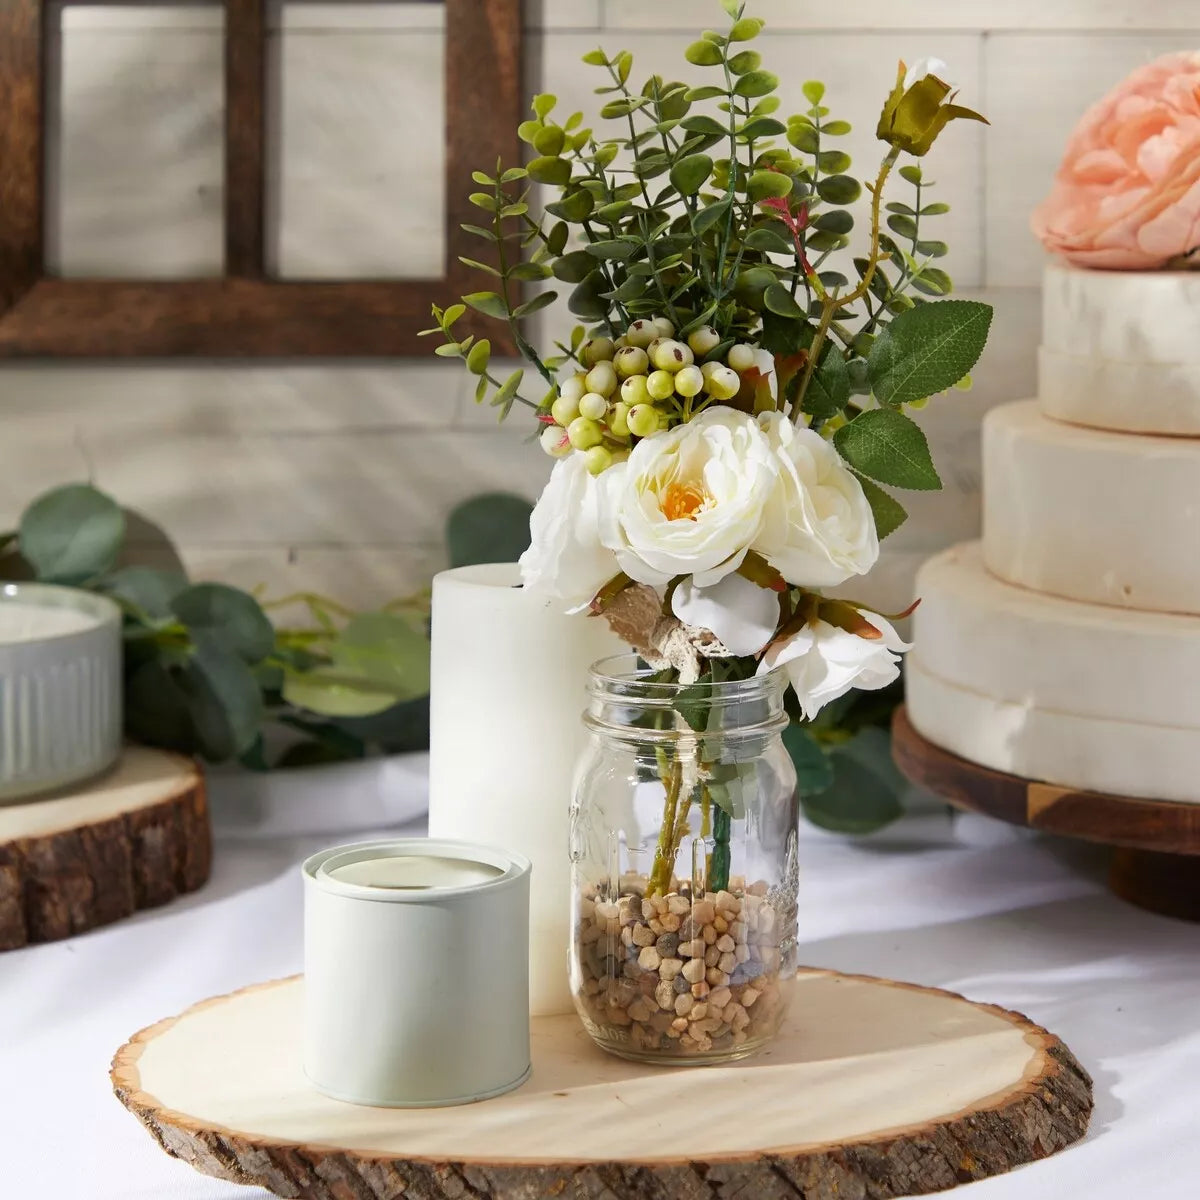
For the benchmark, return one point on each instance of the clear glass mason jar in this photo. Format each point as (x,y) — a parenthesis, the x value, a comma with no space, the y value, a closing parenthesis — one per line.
(684,870)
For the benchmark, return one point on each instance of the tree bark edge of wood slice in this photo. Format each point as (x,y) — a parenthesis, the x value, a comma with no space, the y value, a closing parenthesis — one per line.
(144,846)
(1045,1111)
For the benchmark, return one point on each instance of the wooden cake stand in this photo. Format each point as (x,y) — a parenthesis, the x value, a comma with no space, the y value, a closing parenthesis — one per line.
(134,838)
(1154,863)
(873,1089)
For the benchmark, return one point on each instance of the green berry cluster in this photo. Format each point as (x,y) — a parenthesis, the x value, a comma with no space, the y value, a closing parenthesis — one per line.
(637,385)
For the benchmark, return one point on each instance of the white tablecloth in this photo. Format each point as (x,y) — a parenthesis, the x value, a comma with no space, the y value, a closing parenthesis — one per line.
(965,904)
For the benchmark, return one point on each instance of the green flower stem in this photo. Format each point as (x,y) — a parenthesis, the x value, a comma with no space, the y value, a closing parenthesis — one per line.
(833,302)
(527,351)
(733,180)
(664,855)
(719,859)
(672,312)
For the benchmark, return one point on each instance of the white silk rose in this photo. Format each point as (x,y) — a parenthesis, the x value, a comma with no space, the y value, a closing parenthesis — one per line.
(824,662)
(691,500)
(567,563)
(818,529)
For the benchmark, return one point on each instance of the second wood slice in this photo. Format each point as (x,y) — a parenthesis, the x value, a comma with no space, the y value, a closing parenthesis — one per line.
(135,837)
(872,1089)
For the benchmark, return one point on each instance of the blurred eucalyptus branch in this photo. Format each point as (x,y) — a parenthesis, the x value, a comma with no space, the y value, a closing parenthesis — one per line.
(206,670)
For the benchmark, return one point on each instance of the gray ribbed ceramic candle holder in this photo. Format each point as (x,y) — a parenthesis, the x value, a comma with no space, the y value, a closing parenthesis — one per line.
(60,687)
(416,968)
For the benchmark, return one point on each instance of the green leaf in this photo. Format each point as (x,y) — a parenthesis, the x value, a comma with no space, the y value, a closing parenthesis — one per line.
(476,265)
(762,127)
(224,698)
(156,707)
(596,58)
(829,389)
(887,446)
(836,128)
(904,225)
(756,83)
(733,8)
(927,350)
(536,304)
(616,248)
(704,125)
(707,217)
(767,239)
(575,207)
(477,359)
(547,169)
(484,200)
(491,304)
(624,65)
(935,210)
(692,95)
(839,189)
(334,693)
(704,54)
(814,91)
(780,301)
(932,249)
(488,529)
(72,534)
(814,771)
(866,791)
(889,513)
(543,104)
(503,399)
(587,301)
(232,617)
(549,141)
(733,787)
(763,185)
(745,62)
(837,220)
(933,282)
(690,174)
(387,650)
(911,174)
(804,137)
(149,591)
(574,268)
(836,162)
(527,271)
(746,29)
(615,109)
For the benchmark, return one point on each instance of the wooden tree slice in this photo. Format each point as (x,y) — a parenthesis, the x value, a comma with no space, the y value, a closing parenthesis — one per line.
(134,838)
(873,1089)
(1156,861)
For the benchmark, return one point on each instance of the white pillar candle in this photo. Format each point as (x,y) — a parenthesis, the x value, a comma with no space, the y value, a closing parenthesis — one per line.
(507,693)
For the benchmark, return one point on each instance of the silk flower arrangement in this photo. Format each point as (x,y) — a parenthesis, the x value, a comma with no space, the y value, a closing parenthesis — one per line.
(725,420)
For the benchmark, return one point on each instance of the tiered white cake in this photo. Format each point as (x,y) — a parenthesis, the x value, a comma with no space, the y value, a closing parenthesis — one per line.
(1066,646)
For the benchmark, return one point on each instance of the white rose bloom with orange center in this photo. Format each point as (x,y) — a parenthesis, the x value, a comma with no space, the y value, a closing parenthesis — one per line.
(691,500)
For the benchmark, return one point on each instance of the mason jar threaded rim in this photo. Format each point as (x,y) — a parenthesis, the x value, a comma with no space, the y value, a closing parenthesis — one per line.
(623,683)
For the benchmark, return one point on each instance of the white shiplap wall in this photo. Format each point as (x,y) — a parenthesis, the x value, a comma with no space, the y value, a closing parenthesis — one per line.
(340,476)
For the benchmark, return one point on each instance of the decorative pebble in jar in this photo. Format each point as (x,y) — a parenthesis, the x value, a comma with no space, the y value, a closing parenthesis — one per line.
(683,848)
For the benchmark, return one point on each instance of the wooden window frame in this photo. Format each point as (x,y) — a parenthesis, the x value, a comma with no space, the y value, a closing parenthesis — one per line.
(245,313)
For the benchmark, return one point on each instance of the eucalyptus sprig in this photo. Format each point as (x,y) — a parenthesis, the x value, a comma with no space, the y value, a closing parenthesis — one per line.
(704,207)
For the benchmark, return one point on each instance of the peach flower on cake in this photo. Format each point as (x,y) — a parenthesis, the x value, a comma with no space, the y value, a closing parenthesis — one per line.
(1127,195)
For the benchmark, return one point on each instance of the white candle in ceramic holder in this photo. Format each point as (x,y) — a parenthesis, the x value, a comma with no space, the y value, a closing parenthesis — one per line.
(60,687)
(508,680)
(416,972)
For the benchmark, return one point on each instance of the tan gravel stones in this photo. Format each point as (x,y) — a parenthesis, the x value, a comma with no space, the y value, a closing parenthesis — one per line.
(678,976)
